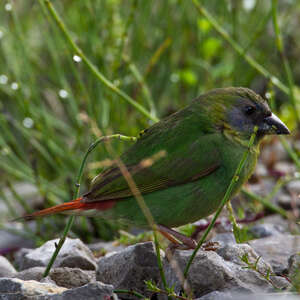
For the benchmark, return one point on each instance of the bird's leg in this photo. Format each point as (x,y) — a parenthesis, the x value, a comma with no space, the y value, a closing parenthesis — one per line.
(175,236)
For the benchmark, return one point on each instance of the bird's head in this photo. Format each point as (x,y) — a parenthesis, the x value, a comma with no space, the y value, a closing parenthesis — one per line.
(237,111)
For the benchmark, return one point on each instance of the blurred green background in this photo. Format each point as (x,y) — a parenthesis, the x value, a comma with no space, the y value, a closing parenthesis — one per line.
(162,54)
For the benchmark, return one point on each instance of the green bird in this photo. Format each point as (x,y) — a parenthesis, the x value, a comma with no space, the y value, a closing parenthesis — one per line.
(182,165)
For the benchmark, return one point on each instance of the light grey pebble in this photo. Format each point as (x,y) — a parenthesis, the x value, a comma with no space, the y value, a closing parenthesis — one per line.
(6,268)
(73,254)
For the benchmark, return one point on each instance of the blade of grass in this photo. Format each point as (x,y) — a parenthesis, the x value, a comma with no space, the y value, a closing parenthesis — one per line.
(76,194)
(124,37)
(265,203)
(286,65)
(17,197)
(290,151)
(249,59)
(141,80)
(93,69)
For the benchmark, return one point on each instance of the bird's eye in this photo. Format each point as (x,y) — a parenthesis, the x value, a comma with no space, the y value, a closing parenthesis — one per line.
(249,110)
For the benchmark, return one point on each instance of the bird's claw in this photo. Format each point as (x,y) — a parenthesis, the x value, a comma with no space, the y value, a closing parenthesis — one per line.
(211,246)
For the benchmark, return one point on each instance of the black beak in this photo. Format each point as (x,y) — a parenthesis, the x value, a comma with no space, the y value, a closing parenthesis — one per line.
(273,125)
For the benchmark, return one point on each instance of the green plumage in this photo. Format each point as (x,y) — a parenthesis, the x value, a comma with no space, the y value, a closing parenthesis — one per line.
(183,164)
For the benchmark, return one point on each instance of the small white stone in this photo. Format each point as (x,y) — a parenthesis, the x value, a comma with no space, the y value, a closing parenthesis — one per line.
(297,175)
(77,58)
(8,6)
(63,94)
(268,95)
(249,4)
(174,77)
(14,86)
(3,79)
(28,122)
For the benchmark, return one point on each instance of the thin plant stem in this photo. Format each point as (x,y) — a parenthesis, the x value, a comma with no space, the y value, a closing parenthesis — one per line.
(265,203)
(159,261)
(19,199)
(170,293)
(293,155)
(93,69)
(141,80)
(286,65)
(8,204)
(157,54)
(76,194)
(279,184)
(225,199)
(233,221)
(249,59)
(290,151)
(124,37)
(59,245)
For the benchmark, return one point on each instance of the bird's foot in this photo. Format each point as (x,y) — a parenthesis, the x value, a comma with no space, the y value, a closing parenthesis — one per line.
(180,241)
(210,246)
(177,239)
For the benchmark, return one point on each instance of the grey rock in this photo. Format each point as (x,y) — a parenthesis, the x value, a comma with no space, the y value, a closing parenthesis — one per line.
(234,253)
(14,288)
(294,267)
(288,198)
(276,250)
(263,187)
(10,242)
(281,283)
(284,200)
(91,291)
(224,226)
(65,277)
(35,273)
(224,238)
(266,229)
(283,224)
(216,295)
(285,167)
(129,268)
(105,247)
(261,170)
(273,152)
(20,256)
(74,254)
(6,268)
(72,277)
(221,271)
(294,186)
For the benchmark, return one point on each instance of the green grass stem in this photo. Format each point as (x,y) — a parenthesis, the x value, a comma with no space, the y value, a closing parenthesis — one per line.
(286,64)
(93,69)
(77,190)
(265,203)
(249,59)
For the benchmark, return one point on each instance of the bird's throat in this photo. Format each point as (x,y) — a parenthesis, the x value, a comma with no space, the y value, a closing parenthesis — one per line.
(235,137)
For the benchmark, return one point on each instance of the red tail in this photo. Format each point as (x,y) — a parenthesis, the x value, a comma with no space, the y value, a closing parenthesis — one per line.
(72,205)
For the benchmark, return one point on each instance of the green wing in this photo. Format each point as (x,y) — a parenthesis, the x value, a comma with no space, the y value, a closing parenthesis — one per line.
(170,153)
